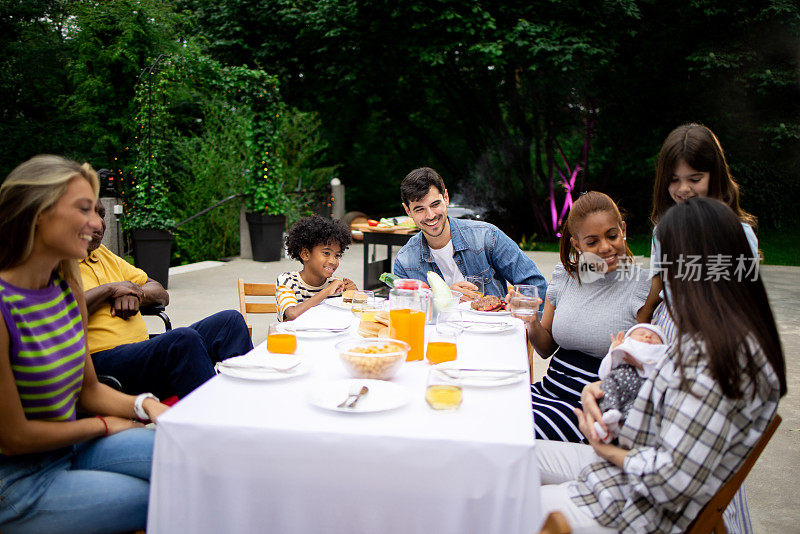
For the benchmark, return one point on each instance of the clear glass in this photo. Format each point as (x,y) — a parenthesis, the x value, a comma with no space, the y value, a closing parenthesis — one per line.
(281,338)
(479,283)
(523,302)
(443,391)
(363,302)
(443,340)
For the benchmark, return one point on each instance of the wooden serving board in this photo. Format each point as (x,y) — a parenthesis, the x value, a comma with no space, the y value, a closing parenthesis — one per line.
(390,230)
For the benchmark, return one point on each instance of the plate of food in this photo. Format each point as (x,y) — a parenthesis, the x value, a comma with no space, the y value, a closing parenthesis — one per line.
(486,305)
(345,300)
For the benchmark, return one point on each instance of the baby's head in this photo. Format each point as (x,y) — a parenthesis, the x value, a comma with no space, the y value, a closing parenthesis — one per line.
(646,333)
(317,236)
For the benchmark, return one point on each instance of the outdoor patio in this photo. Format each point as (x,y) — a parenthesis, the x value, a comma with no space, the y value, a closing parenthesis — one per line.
(198,290)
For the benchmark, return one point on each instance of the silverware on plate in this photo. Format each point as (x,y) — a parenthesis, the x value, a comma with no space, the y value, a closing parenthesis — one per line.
(483,374)
(268,368)
(364,391)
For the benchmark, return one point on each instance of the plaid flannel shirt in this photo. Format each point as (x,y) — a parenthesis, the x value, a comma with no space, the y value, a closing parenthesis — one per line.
(685,443)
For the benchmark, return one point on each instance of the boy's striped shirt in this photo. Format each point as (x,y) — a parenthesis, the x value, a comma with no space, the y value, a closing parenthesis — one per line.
(47,348)
(292,290)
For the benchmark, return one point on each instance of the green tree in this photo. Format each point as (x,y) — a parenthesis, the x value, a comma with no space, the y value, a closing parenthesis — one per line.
(499,96)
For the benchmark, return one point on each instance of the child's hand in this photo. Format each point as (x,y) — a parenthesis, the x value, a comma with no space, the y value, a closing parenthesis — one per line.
(618,339)
(334,288)
(348,284)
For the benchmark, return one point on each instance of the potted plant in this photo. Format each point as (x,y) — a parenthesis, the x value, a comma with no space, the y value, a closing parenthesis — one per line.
(266,201)
(146,194)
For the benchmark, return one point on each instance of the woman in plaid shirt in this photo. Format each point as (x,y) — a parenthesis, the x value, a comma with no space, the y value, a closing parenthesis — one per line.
(704,407)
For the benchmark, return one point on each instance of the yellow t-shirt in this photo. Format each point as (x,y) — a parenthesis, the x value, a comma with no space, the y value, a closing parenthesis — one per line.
(105,330)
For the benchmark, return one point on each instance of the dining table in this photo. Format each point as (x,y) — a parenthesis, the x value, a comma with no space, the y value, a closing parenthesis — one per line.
(272,454)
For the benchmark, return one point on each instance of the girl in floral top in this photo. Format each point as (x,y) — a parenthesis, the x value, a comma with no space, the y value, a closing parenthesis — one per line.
(701,411)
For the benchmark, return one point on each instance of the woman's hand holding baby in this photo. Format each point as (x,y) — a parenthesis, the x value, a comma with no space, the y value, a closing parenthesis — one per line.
(590,415)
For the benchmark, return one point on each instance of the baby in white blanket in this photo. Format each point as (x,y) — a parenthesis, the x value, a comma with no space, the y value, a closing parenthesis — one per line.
(624,369)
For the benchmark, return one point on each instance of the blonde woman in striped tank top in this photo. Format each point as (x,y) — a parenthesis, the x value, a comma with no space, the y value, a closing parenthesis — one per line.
(59,473)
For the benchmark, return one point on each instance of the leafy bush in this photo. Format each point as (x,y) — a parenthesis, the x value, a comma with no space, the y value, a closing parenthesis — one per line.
(214,165)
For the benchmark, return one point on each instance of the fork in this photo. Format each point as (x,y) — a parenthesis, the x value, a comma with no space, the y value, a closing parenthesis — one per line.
(355,391)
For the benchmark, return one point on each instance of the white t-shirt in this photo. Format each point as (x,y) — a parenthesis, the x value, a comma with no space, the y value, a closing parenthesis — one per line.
(447,264)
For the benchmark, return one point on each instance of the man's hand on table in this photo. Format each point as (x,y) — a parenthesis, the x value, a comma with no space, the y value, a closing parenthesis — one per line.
(467,290)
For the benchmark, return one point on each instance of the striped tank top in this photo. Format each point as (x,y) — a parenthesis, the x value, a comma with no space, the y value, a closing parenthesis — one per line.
(47,348)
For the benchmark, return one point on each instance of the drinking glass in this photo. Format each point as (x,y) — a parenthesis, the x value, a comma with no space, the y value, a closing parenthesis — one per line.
(443,341)
(363,302)
(407,320)
(479,283)
(281,338)
(444,389)
(523,302)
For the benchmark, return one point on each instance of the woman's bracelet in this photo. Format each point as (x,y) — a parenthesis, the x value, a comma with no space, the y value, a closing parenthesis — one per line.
(104,424)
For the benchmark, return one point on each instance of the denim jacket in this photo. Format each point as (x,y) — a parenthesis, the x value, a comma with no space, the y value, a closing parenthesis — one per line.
(479,248)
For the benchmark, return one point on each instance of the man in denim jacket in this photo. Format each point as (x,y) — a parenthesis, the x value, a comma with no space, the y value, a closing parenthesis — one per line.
(457,248)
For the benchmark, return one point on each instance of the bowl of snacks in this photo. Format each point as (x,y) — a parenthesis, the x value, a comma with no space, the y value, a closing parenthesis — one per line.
(378,358)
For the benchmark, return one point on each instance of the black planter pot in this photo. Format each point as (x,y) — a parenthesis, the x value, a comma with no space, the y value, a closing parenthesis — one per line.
(151,252)
(266,235)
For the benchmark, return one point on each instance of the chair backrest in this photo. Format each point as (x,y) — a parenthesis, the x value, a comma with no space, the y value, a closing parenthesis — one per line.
(710,517)
(255,290)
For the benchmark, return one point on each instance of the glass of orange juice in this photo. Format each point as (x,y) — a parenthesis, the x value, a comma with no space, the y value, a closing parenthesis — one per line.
(443,391)
(281,338)
(407,320)
(443,341)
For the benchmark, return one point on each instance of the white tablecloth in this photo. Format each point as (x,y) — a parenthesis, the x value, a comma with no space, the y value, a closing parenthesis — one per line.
(249,456)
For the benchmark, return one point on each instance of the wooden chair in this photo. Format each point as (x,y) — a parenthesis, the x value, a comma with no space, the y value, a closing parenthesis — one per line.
(710,518)
(255,290)
(556,523)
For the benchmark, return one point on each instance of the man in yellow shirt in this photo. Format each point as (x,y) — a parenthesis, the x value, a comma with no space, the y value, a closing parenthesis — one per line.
(173,363)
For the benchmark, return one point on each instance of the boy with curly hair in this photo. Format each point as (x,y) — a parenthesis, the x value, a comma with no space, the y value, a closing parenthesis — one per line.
(318,243)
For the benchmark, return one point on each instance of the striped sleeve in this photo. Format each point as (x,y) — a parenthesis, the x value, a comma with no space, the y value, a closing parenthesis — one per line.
(284,294)
(286,299)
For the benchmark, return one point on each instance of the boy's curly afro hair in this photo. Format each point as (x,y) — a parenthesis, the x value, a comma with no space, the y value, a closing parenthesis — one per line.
(311,231)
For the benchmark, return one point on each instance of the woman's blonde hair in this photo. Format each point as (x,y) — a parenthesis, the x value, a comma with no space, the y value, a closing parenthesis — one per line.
(30,189)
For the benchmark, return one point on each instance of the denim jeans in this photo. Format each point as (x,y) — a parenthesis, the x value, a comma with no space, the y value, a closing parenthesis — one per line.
(100,485)
(178,361)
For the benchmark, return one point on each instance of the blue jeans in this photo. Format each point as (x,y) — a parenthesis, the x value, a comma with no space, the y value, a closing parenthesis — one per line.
(178,361)
(100,485)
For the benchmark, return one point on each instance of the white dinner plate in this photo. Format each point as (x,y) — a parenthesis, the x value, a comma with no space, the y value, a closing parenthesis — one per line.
(472,325)
(489,379)
(466,306)
(382,395)
(251,367)
(337,302)
(318,330)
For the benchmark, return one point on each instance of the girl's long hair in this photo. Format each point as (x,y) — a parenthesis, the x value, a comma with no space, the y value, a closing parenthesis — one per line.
(700,149)
(722,301)
(30,189)
(587,204)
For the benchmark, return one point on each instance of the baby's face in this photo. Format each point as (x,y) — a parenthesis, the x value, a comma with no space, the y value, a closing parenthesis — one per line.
(645,335)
